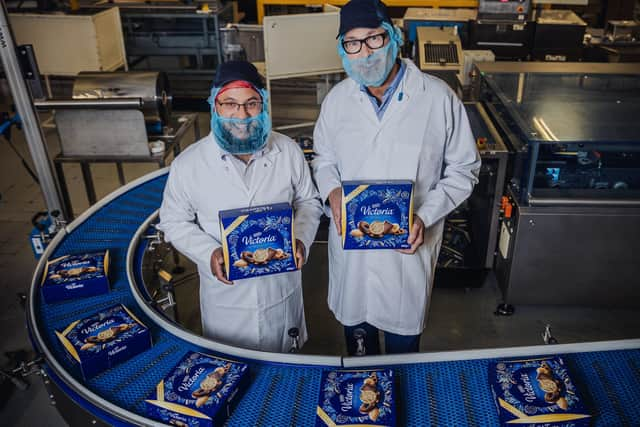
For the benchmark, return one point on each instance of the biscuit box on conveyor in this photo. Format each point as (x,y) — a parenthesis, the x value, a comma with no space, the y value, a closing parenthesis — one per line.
(258,241)
(376,214)
(356,398)
(199,391)
(107,338)
(75,276)
(536,392)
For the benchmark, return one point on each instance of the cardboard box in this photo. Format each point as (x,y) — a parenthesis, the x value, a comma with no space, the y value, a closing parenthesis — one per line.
(258,241)
(376,214)
(200,391)
(105,339)
(356,397)
(75,276)
(536,392)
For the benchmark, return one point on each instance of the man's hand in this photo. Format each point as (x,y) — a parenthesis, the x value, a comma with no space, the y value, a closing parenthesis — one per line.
(217,266)
(335,201)
(300,254)
(416,236)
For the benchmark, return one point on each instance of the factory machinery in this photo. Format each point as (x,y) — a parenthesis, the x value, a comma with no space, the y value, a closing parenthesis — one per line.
(553,169)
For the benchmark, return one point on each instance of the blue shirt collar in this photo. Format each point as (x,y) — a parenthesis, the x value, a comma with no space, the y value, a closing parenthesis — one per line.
(381,107)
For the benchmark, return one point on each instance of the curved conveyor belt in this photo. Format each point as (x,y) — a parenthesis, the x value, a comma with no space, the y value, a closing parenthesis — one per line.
(448,388)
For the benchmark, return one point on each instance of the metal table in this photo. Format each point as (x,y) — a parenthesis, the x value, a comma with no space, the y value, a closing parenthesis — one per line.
(172,142)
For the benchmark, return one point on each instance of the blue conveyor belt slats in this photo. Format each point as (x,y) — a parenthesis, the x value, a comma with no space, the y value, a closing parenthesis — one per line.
(611,392)
(273,397)
(444,393)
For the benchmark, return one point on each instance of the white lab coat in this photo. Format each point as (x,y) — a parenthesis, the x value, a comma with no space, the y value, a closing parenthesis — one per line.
(424,136)
(253,313)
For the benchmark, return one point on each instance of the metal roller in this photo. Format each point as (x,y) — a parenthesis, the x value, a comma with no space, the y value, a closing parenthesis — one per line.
(150,86)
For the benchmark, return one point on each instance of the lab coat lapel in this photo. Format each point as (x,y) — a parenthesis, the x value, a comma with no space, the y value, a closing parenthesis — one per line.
(263,165)
(224,167)
(396,109)
(401,100)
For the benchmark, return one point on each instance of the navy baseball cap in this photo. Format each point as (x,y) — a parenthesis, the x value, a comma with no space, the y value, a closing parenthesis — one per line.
(362,14)
(238,70)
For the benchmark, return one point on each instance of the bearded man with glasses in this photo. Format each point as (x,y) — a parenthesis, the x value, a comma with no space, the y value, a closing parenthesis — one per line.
(241,163)
(389,121)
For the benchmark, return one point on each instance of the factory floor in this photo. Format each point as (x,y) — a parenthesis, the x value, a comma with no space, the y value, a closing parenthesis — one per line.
(458,318)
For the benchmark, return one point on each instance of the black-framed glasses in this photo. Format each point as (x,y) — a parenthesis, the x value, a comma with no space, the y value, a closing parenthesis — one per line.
(374,41)
(251,107)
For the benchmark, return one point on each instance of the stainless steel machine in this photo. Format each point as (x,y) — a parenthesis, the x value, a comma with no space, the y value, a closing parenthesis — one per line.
(570,228)
(99,126)
(151,87)
(116,118)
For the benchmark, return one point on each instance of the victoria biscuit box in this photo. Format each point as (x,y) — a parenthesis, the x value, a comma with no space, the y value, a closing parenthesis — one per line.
(356,398)
(105,339)
(258,241)
(200,391)
(75,276)
(536,392)
(376,214)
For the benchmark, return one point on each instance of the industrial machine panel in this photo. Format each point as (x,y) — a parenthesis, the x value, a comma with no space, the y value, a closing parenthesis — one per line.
(571,217)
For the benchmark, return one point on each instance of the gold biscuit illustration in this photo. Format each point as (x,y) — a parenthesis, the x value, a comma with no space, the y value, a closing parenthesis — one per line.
(74,272)
(370,397)
(105,336)
(260,257)
(377,229)
(240,263)
(209,384)
(357,233)
(551,385)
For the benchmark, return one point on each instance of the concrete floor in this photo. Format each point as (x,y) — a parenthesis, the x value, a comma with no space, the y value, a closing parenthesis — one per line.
(458,318)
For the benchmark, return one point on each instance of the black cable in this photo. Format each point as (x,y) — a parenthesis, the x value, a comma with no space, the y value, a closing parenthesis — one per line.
(24,161)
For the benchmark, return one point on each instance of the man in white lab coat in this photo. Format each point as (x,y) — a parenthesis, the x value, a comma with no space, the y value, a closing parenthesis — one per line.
(241,163)
(389,120)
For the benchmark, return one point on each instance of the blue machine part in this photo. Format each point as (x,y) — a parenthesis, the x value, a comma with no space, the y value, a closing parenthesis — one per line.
(40,235)
(154,128)
(553,174)
(434,393)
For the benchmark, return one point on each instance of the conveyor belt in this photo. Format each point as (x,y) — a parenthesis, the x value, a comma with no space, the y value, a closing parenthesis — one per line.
(284,388)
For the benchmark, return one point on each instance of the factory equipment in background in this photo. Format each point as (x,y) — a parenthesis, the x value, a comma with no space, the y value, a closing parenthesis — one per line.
(183,39)
(96,129)
(570,224)
(619,41)
(459,18)
(504,28)
(242,41)
(440,53)
(120,117)
(470,232)
(558,36)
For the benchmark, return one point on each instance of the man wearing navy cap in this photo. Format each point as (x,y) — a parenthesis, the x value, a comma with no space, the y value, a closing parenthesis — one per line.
(241,163)
(389,120)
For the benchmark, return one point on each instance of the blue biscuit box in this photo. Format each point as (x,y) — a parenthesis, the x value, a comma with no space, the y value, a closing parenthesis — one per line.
(536,392)
(376,214)
(75,276)
(258,241)
(101,341)
(199,391)
(356,398)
